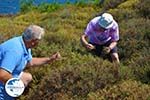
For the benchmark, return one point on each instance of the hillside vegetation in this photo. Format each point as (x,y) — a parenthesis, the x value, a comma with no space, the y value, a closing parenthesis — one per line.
(79,75)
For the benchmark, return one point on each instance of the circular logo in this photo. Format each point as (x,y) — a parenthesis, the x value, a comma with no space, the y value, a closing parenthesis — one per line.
(14,87)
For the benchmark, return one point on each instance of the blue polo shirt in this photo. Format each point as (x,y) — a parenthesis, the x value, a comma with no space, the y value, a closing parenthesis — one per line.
(13,58)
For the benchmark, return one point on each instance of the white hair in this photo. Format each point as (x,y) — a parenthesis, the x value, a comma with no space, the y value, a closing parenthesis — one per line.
(33,32)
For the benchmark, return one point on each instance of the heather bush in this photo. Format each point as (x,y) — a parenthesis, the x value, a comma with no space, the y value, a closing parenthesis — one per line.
(77,80)
(125,10)
(26,6)
(127,90)
(45,7)
(128,4)
(143,7)
(134,36)
(109,4)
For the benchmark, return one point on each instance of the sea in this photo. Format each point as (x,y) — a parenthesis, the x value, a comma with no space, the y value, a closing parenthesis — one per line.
(13,6)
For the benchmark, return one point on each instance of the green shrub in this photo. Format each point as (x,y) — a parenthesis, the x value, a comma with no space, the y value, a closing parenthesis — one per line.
(45,7)
(27,6)
(77,80)
(128,90)
(109,4)
(129,4)
(134,36)
(144,9)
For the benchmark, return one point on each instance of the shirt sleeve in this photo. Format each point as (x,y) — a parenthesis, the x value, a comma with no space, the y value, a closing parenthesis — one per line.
(88,29)
(9,61)
(115,34)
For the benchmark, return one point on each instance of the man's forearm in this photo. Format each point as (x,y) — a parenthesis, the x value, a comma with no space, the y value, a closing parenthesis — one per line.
(45,60)
(112,45)
(4,75)
(83,40)
(39,61)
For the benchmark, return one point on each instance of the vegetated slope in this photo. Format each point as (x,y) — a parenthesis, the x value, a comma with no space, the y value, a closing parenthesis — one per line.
(80,75)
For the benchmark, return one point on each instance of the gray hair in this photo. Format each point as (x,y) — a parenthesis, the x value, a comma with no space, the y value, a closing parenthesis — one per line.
(33,32)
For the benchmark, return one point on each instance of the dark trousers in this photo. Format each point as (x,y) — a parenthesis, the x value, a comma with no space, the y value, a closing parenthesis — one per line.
(98,50)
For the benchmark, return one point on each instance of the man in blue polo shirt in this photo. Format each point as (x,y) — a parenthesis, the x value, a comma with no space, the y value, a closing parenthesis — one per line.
(15,55)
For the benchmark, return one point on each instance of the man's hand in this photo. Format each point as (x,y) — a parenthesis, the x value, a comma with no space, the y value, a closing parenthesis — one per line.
(90,46)
(55,56)
(44,60)
(106,50)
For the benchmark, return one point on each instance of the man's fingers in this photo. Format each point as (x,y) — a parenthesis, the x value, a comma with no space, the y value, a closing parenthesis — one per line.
(90,46)
(57,55)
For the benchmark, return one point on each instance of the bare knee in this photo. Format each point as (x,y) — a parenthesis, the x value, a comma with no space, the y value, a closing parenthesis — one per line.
(115,57)
(26,78)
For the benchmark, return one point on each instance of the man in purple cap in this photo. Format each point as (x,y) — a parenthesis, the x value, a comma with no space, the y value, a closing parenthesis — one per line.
(101,36)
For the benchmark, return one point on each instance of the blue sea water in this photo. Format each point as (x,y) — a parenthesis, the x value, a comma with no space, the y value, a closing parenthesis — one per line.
(55,1)
(13,6)
(9,6)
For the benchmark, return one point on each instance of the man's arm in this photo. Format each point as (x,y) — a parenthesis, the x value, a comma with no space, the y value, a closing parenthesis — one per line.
(83,40)
(107,50)
(85,43)
(38,61)
(4,75)
(7,66)
(113,44)
(45,60)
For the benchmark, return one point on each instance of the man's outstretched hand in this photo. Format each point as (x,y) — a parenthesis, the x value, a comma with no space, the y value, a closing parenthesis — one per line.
(55,56)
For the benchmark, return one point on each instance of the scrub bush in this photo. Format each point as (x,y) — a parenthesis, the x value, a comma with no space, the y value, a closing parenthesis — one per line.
(110,4)
(77,80)
(144,9)
(128,90)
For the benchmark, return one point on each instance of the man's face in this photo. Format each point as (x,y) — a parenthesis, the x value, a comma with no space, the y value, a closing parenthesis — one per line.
(34,43)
